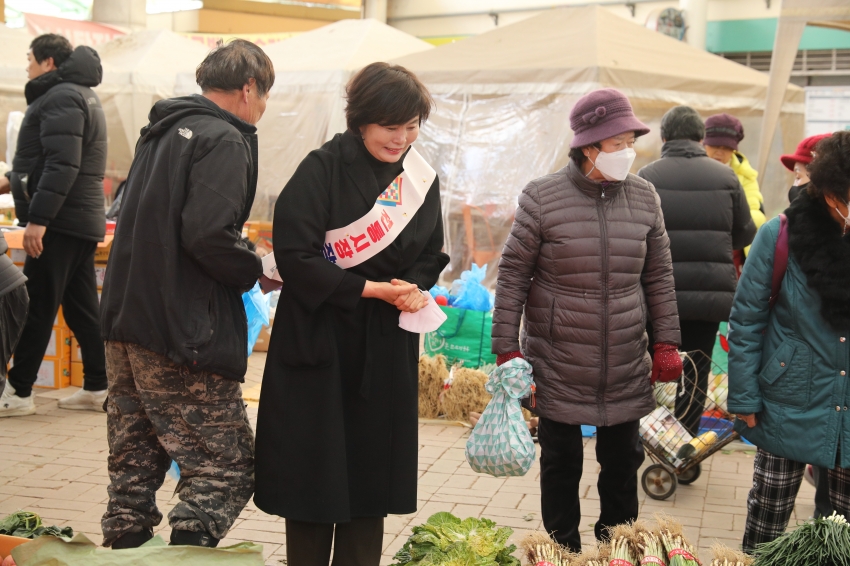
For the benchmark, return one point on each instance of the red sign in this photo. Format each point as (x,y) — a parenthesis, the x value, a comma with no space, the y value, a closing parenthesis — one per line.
(78,32)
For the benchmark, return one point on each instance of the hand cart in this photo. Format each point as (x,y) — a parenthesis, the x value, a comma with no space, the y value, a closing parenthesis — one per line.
(675,452)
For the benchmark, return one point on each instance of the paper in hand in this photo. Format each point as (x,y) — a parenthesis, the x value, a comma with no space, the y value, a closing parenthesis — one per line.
(427,319)
(270,267)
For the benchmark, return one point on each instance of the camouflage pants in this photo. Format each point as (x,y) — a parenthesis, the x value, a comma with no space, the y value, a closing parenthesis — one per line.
(158,412)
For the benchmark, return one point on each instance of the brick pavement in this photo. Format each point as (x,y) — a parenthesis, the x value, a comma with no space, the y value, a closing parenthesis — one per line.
(54,463)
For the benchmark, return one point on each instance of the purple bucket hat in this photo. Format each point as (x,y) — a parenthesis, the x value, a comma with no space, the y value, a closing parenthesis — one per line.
(603,114)
(723,130)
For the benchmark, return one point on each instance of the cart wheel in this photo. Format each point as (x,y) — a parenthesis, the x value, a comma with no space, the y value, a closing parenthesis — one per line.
(690,476)
(658,482)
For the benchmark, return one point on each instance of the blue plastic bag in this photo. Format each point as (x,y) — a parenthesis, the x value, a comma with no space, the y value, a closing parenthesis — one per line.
(471,294)
(257,311)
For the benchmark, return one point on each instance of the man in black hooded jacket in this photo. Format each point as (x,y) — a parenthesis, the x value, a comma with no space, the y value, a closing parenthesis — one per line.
(172,312)
(707,217)
(57,183)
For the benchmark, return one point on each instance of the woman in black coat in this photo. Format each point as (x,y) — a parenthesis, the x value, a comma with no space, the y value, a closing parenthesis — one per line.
(337,428)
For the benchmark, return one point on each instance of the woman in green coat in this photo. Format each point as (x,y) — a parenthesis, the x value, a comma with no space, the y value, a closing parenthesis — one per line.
(788,365)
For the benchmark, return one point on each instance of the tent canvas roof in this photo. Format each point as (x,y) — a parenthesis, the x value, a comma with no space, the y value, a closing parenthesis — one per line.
(153,58)
(580,45)
(343,45)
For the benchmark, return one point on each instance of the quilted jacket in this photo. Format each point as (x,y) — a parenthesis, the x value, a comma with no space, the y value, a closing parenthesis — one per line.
(584,267)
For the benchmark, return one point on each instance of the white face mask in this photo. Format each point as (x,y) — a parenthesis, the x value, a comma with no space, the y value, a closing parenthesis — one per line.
(615,166)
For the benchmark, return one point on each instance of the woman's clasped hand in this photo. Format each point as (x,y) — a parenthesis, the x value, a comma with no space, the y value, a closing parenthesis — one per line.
(406,296)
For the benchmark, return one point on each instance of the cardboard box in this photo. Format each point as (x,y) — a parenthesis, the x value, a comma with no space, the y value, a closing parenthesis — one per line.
(99,275)
(264,338)
(76,355)
(60,319)
(54,373)
(77,374)
(60,344)
(101,254)
(18,257)
(260,233)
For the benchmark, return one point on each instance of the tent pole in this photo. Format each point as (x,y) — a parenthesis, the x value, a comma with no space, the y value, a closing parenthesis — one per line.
(788,35)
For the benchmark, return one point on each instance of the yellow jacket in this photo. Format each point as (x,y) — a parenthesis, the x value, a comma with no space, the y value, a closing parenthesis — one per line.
(748,178)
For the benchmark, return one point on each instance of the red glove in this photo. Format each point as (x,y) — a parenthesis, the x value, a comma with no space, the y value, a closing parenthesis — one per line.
(666,363)
(505,358)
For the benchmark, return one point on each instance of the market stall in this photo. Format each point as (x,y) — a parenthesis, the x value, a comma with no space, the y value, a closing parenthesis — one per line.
(504,97)
(306,107)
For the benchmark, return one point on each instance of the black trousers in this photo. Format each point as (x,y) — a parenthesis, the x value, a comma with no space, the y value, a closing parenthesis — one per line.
(620,454)
(358,543)
(62,275)
(698,339)
(13,315)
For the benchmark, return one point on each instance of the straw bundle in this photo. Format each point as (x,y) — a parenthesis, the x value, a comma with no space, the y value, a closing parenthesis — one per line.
(466,394)
(432,374)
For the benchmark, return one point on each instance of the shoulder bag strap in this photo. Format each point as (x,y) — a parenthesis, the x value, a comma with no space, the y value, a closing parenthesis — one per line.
(780,260)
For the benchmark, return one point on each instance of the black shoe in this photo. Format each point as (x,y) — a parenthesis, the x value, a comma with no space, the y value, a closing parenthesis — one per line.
(193,538)
(132,540)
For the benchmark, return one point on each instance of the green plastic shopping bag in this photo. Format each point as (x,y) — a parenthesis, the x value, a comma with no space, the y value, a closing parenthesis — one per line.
(464,338)
(500,444)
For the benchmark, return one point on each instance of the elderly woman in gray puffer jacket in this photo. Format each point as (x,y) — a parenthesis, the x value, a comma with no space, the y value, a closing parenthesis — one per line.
(586,265)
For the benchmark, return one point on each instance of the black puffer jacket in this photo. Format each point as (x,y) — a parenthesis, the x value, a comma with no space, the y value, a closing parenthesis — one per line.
(57,173)
(11,276)
(707,216)
(178,264)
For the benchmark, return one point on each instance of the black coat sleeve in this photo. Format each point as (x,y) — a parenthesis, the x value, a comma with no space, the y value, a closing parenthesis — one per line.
(301,216)
(427,268)
(216,199)
(63,123)
(743,227)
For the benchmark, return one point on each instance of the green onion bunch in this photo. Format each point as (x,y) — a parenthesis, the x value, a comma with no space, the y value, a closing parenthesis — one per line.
(679,552)
(652,551)
(818,542)
(621,552)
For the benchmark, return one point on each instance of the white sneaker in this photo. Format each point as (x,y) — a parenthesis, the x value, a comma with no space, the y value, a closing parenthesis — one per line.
(84,400)
(13,406)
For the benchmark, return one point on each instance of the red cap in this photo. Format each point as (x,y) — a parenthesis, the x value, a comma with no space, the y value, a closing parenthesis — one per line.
(803,153)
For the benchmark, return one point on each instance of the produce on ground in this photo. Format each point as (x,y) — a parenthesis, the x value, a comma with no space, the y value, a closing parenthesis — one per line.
(8,561)
(26,524)
(817,542)
(540,550)
(725,556)
(465,394)
(432,376)
(445,540)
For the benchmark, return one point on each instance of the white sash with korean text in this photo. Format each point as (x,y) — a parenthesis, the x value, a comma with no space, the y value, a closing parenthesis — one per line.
(373,233)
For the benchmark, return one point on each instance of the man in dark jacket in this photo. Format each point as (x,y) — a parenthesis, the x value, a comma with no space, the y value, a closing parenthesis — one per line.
(57,183)
(172,312)
(14,303)
(707,217)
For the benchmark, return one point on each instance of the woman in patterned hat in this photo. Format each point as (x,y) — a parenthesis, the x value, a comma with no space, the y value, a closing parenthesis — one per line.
(586,266)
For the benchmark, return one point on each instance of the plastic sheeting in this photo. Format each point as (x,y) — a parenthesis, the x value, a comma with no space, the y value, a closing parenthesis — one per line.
(306,106)
(503,101)
(138,70)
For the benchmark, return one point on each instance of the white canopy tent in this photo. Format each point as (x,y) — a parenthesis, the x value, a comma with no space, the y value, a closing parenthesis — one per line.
(138,70)
(13,75)
(504,97)
(306,106)
(793,18)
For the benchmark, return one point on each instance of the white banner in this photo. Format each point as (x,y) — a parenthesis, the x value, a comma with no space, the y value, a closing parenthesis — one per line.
(373,233)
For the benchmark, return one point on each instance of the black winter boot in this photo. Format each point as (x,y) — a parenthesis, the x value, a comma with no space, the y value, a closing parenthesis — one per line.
(193,538)
(132,540)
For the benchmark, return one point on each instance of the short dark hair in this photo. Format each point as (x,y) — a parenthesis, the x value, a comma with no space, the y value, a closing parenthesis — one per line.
(51,45)
(384,94)
(578,156)
(682,123)
(829,171)
(231,65)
